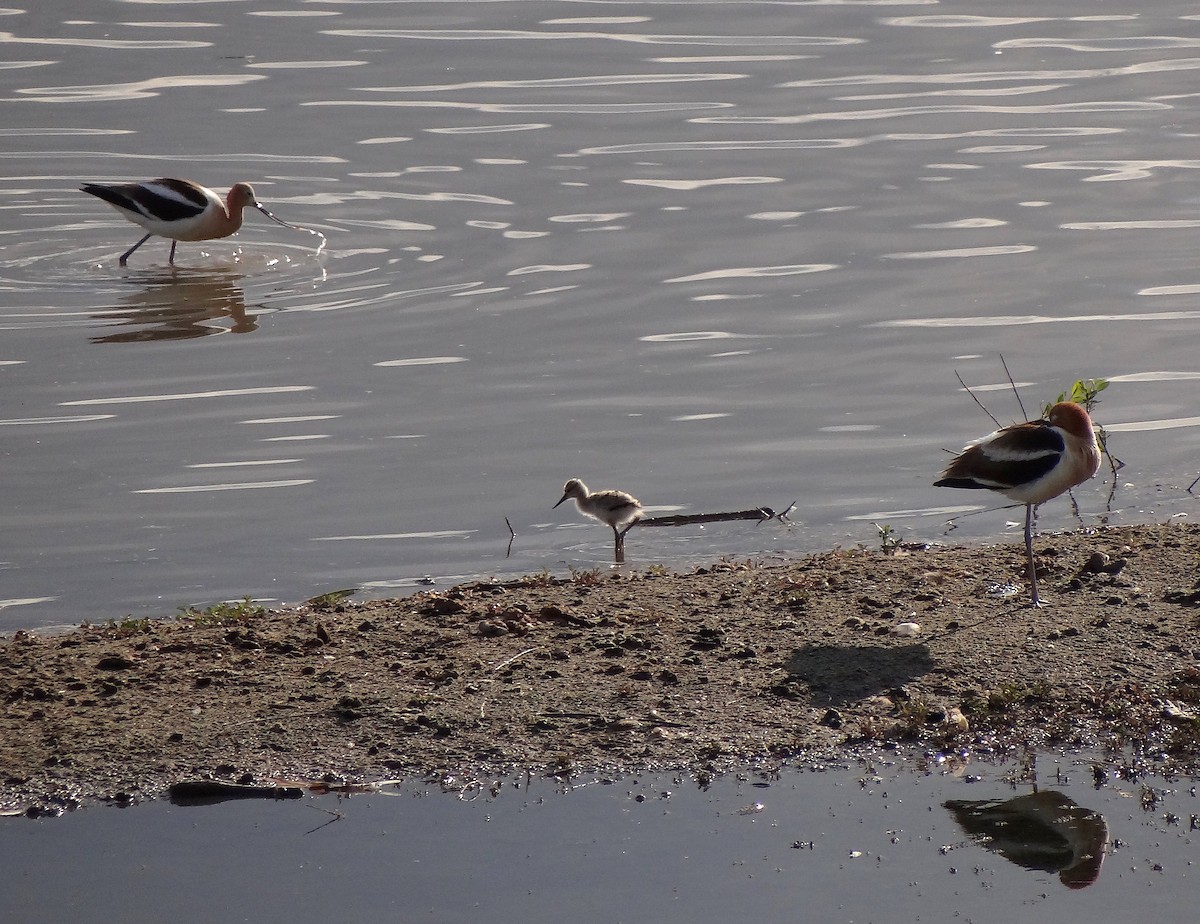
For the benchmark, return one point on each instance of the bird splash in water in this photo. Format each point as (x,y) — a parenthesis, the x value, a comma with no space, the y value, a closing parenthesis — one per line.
(1031,463)
(616,508)
(182,210)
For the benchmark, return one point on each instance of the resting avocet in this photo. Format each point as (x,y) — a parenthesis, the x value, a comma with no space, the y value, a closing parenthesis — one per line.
(1030,462)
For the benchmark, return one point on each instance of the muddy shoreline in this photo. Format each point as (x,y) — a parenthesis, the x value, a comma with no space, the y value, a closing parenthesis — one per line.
(729,666)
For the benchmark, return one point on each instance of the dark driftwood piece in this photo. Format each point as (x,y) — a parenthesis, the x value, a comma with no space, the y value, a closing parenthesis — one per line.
(686,519)
(210,792)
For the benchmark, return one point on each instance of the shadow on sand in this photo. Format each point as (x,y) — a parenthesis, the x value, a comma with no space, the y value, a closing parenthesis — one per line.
(837,675)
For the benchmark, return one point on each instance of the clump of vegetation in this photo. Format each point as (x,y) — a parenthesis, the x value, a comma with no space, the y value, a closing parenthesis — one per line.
(330,600)
(123,628)
(589,578)
(889,539)
(913,716)
(542,579)
(1084,392)
(1008,696)
(226,613)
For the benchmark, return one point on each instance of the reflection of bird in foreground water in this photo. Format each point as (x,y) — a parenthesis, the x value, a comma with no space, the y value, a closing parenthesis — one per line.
(616,508)
(182,210)
(1042,830)
(179,305)
(1031,463)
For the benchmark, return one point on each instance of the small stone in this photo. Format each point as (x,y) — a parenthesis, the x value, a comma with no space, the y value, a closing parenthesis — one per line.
(831,719)
(492,628)
(115,662)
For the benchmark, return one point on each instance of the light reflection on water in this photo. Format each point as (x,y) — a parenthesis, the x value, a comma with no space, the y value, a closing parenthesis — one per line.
(713,254)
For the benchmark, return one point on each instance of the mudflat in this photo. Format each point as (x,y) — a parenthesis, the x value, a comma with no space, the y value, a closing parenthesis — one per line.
(729,666)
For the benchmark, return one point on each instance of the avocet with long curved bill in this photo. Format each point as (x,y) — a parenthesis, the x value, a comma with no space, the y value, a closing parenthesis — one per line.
(182,210)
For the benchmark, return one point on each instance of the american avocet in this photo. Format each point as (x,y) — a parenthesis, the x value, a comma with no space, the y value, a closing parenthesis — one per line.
(182,210)
(616,508)
(1031,463)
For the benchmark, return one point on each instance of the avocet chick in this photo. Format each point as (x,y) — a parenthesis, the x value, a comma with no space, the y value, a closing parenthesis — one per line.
(616,508)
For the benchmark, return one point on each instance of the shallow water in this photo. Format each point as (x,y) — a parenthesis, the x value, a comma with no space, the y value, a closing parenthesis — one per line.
(879,840)
(719,255)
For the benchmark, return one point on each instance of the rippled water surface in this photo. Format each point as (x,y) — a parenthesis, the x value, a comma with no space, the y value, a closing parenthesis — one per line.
(720,255)
(891,840)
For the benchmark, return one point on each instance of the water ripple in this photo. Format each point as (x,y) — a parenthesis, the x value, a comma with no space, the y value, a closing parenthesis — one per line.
(491,35)
(1111,170)
(1142,67)
(187,396)
(590,218)
(297,418)
(601,80)
(514,108)
(901,112)
(1018,320)
(744,272)
(548,268)
(703,184)
(137,89)
(998,251)
(916,512)
(432,534)
(243,463)
(24,601)
(19,65)
(1131,225)
(302,65)
(954,22)
(38,421)
(1169,423)
(11,38)
(1118,43)
(51,131)
(956,92)
(422,361)
(153,302)
(293,14)
(1189,289)
(654,147)
(192,158)
(1154,377)
(964,223)
(490,129)
(690,335)
(230,486)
